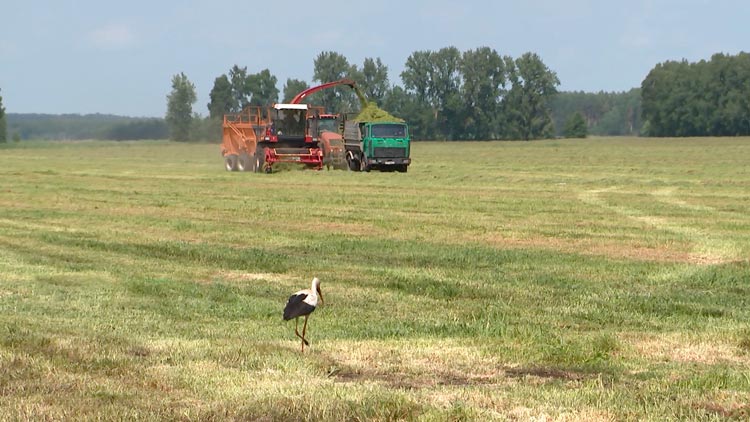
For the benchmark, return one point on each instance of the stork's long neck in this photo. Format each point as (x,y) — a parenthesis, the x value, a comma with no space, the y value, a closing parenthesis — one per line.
(314,288)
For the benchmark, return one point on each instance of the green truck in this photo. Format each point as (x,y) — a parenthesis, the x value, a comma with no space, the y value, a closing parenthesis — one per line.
(382,145)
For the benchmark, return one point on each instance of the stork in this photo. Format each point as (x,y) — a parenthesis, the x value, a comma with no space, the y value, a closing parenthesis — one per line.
(303,303)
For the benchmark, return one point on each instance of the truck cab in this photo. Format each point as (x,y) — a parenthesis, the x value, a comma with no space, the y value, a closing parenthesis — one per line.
(377,145)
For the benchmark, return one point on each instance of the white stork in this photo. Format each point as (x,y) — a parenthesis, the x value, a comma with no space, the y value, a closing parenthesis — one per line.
(303,303)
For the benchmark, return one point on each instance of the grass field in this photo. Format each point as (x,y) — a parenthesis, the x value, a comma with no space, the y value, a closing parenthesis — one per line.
(601,279)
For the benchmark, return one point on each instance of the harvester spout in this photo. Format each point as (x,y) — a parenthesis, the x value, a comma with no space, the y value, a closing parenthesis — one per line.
(349,82)
(360,95)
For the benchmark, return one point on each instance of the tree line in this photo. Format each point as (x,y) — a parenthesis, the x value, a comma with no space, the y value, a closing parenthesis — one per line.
(3,123)
(87,126)
(706,98)
(445,94)
(603,113)
(448,95)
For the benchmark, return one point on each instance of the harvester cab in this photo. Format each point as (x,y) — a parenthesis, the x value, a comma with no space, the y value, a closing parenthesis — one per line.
(288,124)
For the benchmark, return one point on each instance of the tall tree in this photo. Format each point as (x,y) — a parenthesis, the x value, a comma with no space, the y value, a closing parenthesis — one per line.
(222,99)
(416,74)
(374,81)
(180,108)
(435,80)
(484,78)
(240,88)
(3,123)
(526,107)
(262,88)
(444,91)
(292,87)
(331,66)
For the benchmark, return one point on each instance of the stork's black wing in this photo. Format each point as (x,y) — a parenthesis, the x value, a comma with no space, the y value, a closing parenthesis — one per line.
(297,307)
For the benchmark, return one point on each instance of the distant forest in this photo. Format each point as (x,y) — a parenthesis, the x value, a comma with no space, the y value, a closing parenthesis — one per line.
(453,95)
(87,126)
(606,114)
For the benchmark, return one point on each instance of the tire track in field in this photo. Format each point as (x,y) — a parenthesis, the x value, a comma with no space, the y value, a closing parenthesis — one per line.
(707,248)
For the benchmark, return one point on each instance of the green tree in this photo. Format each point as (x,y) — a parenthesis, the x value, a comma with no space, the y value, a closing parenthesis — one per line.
(331,66)
(416,80)
(180,108)
(374,82)
(707,98)
(416,74)
(526,107)
(262,89)
(434,78)
(576,126)
(292,87)
(222,99)
(484,78)
(444,91)
(606,113)
(240,88)
(3,123)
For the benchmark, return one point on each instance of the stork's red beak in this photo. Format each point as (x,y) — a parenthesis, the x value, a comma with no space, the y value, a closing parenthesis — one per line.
(320,294)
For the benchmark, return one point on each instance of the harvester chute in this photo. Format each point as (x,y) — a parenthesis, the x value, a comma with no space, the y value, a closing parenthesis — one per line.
(349,82)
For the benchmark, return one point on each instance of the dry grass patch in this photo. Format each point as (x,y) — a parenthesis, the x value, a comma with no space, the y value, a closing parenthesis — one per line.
(725,408)
(241,277)
(426,364)
(682,349)
(597,247)
(579,415)
(413,365)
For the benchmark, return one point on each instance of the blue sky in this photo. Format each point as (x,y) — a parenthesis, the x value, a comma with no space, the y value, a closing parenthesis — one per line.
(119,57)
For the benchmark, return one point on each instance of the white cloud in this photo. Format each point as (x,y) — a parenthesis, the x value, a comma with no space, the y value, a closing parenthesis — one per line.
(114,36)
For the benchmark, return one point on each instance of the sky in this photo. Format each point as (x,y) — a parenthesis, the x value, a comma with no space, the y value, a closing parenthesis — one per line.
(119,57)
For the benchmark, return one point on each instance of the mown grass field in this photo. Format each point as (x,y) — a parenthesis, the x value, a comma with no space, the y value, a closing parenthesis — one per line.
(600,279)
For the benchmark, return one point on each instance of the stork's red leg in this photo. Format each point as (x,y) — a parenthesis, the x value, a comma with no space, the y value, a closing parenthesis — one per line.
(304,330)
(296,332)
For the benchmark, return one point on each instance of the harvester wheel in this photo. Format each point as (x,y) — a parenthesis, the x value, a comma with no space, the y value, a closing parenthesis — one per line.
(230,162)
(260,159)
(244,163)
(352,163)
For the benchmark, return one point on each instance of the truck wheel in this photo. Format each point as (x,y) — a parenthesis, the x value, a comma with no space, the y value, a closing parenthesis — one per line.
(402,168)
(230,162)
(363,166)
(353,164)
(244,163)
